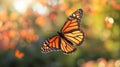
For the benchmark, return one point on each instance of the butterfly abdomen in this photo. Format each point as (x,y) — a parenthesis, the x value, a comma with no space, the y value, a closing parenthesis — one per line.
(60,34)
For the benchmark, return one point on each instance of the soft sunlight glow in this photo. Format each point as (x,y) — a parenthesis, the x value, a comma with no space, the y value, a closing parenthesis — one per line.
(21,5)
(117,63)
(110,20)
(52,2)
(40,8)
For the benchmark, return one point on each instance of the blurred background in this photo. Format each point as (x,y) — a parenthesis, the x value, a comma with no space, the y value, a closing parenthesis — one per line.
(26,24)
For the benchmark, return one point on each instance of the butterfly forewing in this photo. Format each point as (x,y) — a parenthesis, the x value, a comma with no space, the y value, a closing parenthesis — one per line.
(71,29)
(72,22)
(70,25)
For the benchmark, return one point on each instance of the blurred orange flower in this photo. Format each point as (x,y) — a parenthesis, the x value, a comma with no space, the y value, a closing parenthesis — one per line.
(103,2)
(87,8)
(14,25)
(24,22)
(43,2)
(19,54)
(12,34)
(35,38)
(23,33)
(28,12)
(95,1)
(40,21)
(5,40)
(94,12)
(69,11)
(102,62)
(52,15)
(89,64)
(100,2)
(13,16)
(11,45)
(30,34)
(115,4)
(64,6)
(4,15)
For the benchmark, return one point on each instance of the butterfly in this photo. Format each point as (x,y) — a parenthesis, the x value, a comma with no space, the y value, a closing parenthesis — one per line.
(70,35)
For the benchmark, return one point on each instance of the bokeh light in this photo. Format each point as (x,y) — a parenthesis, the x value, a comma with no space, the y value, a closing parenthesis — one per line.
(40,8)
(21,5)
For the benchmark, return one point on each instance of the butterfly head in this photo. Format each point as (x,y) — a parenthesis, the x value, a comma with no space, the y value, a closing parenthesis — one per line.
(77,14)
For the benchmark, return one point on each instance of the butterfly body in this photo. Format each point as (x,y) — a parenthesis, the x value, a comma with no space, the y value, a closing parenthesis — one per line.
(70,35)
(62,36)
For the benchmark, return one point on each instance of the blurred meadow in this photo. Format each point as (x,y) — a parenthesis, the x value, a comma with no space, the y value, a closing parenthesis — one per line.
(26,24)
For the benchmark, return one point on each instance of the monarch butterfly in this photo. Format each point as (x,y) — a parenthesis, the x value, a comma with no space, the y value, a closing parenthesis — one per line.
(70,35)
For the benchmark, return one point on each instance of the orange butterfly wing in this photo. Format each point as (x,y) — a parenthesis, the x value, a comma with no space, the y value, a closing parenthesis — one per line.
(71,29)
(66,47)
(51,44)
(57,43)
(72,22)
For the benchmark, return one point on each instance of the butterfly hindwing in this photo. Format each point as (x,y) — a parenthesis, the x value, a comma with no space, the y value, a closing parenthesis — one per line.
(57,43)
(51,44)
(66,47)
(76,37)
